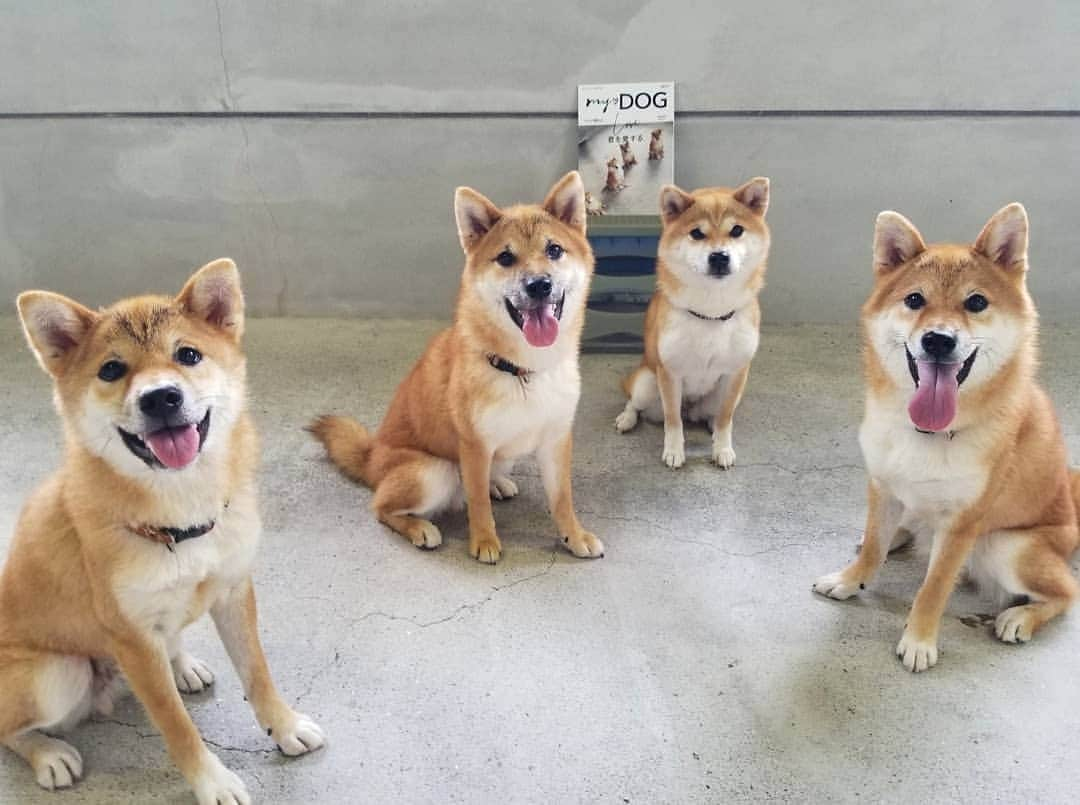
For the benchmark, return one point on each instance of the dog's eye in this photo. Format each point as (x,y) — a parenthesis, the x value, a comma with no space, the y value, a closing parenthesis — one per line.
(915,300)
(188,356)
(505,258)
(112,370)
(976,303)
(736,231)
(697,234)
(554,251)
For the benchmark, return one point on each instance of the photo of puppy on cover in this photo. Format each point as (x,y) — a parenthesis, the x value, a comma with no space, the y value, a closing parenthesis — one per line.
(626,137)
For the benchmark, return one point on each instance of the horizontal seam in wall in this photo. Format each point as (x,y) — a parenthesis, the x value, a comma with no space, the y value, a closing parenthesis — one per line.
(682,114)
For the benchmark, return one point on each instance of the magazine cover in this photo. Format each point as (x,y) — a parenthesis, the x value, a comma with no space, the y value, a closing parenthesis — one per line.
(626,145)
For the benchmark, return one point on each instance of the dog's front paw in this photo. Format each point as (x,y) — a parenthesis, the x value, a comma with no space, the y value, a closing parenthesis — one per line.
(56,764)
(425,534)
(216,785)
(834,586)
(674,454)
(297,735)
(723,457)
(585,544)
(1015,625)
(627,420)
(917,654)
(486,549)
(192,675)
(502,488)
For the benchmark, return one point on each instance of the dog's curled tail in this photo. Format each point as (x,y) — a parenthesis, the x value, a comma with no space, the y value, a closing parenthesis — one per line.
(348,444)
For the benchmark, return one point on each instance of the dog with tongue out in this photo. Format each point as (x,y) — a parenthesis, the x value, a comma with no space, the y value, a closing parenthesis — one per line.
(961,443)
(502,382)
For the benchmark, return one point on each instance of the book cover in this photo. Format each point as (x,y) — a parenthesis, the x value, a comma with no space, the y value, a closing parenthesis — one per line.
(626,145)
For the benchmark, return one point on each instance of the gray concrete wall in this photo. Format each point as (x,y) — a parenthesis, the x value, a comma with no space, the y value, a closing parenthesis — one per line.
(319,143)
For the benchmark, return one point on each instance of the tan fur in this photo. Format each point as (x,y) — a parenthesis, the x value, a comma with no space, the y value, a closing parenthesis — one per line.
(699,368)
(438,438)
(656,145)
(1006,504)
(627,152)
(79,585)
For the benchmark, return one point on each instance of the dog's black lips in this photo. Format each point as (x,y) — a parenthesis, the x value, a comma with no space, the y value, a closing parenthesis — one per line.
(519,319)
(961,376)
(138,447)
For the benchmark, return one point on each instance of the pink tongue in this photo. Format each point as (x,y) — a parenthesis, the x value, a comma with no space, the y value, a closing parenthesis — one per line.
(934,405)
(174,447)
(541,328)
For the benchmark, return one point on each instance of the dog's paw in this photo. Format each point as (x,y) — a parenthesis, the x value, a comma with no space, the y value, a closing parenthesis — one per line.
(426,535)
(56,764)
(586,545)
(487,550)
(916,655)
(216,785)
(192,675)
(626,420)
(723,457)
(297,735)
(1015,625)
(502,488)
(674,454)
(834,586)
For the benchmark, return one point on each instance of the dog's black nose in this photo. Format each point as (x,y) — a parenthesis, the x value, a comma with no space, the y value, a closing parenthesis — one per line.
(720,263)
(161,402)
(938,345)
(539,287)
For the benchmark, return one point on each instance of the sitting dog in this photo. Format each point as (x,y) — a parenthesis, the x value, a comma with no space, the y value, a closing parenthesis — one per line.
(502,382)
(961,443)
(702,323)
(656,144)
(151,522)
(613,183)
(627,153)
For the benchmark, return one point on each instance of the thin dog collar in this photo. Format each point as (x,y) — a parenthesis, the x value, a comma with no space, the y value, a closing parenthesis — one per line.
(949,434)
(170,537)
(710,318)
(504,365)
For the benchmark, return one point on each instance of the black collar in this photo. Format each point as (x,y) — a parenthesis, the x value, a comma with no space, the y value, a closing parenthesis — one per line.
(504,365)
(725,317)
(169,536)
(949,434)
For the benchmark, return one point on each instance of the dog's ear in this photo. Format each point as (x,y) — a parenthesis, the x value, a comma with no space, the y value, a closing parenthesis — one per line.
(673,202)
(1004,239)
(475,216)
(755,195)
(213,294)
(55,326)
(566,201)
(896,240)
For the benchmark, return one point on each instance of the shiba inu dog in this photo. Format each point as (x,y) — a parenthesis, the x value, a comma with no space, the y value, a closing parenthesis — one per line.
(502,382)
(656,144)
(701,327)
(961,443)
(614,181)
(627,153)
(150,522)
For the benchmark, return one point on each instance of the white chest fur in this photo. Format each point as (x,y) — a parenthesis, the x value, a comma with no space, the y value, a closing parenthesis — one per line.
(524,413)
(700,351)
(163,590)
(932,475)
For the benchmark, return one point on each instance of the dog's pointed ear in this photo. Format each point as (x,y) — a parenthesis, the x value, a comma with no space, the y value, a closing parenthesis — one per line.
(475,215)
(566,201)
(213,294)
(896,240)
(754,194)
(1004,239)
(55,326)
(673,202)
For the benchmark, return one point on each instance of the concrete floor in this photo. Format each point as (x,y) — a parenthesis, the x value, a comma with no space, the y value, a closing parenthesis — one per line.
(692,664)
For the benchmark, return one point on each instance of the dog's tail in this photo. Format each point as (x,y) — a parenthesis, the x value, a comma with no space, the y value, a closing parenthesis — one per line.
(348,444)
